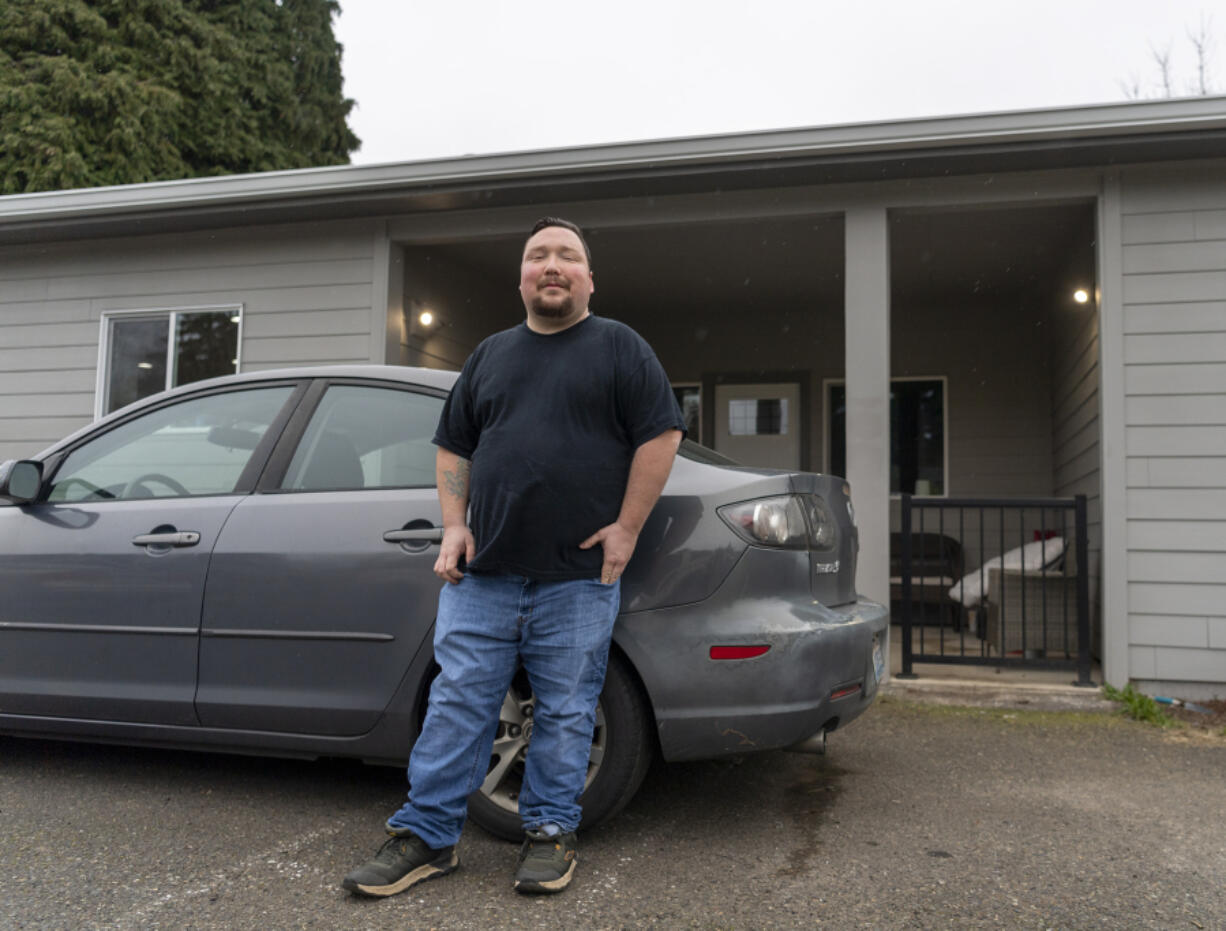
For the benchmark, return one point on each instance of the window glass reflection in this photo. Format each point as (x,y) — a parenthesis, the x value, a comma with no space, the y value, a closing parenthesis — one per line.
(206,345)
(195,447)
(137,364)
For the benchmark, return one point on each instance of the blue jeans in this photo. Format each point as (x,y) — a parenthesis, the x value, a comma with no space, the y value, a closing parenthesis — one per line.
(487,625)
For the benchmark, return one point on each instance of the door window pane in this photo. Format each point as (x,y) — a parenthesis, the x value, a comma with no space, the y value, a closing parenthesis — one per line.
(363,437)
(758,417)
(195,447)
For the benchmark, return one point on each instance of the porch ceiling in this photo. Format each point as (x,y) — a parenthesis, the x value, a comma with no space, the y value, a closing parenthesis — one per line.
(765,265)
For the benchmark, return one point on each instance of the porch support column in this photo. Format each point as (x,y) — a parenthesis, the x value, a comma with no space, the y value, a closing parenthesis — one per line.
(1113,601)
(387,298)
(867,322)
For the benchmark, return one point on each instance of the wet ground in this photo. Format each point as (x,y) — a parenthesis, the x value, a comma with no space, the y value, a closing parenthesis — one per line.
(921,816)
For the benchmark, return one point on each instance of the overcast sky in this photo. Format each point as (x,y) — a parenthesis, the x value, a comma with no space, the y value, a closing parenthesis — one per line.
(435,78)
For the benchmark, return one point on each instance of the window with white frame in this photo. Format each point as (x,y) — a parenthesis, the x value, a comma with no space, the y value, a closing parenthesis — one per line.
(144,352)
(917,434)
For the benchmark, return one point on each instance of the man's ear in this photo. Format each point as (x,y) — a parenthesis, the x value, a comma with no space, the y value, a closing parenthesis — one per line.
(591,276)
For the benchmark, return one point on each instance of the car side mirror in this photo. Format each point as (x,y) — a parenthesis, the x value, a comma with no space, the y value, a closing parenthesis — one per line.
(20,480)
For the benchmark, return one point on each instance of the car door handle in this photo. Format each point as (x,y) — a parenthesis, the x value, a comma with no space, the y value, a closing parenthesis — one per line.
(416,535)
(172,538)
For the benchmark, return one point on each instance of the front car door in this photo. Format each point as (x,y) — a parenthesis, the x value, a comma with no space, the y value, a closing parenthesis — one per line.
(312,613)
(103,577)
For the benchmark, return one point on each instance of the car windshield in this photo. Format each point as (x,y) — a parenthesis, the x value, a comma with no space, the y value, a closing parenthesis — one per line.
(699,453)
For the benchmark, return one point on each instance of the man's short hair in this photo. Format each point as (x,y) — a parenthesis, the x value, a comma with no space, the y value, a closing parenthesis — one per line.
(546,222)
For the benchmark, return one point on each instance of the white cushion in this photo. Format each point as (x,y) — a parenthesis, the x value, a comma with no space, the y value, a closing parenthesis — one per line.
(1030,558)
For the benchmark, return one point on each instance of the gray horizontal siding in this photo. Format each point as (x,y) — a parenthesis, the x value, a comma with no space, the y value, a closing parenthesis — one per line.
(1168,257)
(1199,599)
(1185,378)
(1174,317)
(1159,348)
(1204,317)
(1178,503)
(1176,410)
(116,285)
(1176,441)
(1176,535)
(300,349)
(306,291)
(22,384)
(1158,566)
(1175,286)
(1160,630)
(1161,472)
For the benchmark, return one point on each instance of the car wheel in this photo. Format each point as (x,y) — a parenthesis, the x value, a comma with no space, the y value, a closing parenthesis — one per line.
(621,752)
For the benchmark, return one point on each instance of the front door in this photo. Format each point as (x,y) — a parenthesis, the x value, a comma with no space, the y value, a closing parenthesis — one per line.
(759,424)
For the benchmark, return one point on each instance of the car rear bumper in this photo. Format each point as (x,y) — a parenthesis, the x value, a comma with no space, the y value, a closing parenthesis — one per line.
(817,675)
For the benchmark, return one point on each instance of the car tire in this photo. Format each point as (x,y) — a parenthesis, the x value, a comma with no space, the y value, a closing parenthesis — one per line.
(622,748)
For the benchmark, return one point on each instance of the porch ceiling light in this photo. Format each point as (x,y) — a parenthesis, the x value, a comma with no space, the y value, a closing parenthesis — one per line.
(1081,295)
(426,318)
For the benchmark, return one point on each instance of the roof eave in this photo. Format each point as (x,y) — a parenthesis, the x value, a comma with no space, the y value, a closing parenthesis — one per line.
(1118,123)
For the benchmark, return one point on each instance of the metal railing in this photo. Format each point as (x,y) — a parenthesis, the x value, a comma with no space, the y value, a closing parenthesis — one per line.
(1027,601)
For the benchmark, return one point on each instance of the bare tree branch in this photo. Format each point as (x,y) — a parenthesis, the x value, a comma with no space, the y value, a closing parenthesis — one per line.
(1162,58)
(1169,83)
(1131,88)
(1202,42)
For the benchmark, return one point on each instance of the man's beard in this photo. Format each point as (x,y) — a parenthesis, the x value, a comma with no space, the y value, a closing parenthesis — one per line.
(563,308)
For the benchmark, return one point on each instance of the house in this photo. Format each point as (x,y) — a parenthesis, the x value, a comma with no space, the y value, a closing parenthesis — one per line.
(1040,295)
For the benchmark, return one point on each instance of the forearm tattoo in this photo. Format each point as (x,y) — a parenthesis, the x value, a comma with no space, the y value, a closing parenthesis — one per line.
(455,481)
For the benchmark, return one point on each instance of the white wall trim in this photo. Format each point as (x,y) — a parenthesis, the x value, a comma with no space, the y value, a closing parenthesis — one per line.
(1113,433)
(381,293)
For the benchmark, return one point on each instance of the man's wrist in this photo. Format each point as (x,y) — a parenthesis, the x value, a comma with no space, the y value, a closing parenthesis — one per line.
(630,527)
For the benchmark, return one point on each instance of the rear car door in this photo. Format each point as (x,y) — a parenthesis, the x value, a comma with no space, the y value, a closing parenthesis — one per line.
(103,577)
(316,605)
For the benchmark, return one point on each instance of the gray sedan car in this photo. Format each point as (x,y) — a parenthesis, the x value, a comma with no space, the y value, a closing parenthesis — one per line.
(245,564)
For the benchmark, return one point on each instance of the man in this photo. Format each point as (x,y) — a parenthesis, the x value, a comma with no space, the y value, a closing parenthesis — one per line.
(559,436)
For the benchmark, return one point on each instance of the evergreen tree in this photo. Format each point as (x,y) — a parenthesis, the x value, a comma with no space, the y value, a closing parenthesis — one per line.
(96,92)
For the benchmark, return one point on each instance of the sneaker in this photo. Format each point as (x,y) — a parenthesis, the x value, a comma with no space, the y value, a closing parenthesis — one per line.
(546,864)
(402,861)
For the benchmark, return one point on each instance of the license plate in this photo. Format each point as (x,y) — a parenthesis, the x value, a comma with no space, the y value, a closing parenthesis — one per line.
(878,660)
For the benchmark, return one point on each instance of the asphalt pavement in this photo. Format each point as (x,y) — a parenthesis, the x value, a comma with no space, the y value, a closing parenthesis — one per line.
(922,815)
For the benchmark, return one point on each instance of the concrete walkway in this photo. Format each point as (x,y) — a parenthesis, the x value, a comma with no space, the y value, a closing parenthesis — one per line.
(992,686)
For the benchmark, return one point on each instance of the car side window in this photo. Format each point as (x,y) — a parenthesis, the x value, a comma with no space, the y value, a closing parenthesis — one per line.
(196,447)
(366,437)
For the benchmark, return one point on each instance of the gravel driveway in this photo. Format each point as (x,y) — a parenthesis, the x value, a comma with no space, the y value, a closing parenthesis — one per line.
(921,816)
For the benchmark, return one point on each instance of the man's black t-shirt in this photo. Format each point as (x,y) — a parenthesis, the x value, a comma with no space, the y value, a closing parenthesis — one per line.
(550,424)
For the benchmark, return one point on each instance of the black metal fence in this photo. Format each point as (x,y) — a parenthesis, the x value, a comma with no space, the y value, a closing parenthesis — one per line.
(1023,601)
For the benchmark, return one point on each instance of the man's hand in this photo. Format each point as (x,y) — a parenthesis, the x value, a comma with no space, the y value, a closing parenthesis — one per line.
(457,542)
(618,545)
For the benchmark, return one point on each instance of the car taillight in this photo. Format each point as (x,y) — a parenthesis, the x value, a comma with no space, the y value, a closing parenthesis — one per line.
(823,532)
(798,522)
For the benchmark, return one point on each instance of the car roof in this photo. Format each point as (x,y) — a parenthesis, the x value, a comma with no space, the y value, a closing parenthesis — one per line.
(431,378)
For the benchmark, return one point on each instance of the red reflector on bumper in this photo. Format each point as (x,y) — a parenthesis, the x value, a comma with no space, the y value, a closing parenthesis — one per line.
(845,691)
(738,652)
